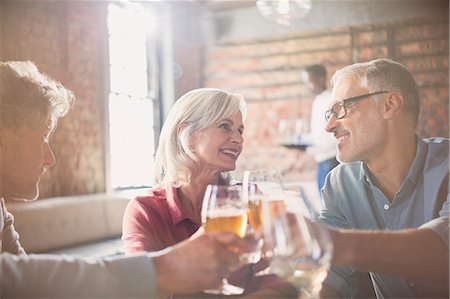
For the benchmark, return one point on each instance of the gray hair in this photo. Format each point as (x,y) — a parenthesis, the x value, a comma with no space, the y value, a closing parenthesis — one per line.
(386,74)
(196,110)
(29,97)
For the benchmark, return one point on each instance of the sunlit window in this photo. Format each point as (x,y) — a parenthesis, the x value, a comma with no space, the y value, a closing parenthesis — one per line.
(131,124)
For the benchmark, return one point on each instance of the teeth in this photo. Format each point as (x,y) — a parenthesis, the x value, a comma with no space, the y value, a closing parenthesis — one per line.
(341,138)
(229,152)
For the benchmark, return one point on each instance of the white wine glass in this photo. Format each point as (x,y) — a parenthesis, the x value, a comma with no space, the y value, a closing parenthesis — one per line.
(298,248)
(224,209)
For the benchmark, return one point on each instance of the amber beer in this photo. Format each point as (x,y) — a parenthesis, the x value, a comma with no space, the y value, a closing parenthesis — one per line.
(255,212)
(227,220)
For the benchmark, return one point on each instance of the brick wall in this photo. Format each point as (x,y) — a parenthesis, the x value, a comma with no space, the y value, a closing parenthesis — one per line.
(267,73)
(65,40)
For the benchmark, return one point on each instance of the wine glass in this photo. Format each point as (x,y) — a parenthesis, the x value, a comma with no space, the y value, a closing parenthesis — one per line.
(224,209)
(298,248)
(259,186)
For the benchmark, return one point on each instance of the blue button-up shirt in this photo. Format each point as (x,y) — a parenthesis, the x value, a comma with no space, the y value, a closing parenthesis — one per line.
(351,200)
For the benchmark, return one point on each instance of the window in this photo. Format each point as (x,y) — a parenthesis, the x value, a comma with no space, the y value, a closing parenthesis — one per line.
(132,96)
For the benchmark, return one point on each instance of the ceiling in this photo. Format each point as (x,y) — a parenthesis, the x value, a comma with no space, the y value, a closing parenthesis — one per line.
(215,5)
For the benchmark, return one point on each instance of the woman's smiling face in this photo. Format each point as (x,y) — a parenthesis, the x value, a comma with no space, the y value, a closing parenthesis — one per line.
(218,147)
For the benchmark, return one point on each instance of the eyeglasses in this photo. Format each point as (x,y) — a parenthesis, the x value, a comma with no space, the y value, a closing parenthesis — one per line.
(339,110)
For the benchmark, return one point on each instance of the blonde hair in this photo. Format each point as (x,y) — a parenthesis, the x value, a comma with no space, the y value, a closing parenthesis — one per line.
(29,97)
(198,109)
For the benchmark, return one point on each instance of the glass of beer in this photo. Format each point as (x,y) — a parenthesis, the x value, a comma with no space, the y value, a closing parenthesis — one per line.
(298,248)
(224,209)
(259,186)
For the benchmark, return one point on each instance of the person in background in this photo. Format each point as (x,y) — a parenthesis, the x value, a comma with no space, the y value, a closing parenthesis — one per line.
(199,144)
(324,145)
(389,200)
(30,105)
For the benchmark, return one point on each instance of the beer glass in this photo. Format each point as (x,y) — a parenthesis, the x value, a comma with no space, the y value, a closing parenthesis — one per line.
(224,209)
(259,186)
(298,248)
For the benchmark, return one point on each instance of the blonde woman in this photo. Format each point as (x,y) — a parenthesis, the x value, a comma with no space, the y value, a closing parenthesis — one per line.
(199,144)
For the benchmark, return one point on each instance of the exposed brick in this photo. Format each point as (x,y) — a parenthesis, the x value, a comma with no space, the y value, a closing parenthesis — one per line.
(421,32)
(434,115)
(366,38)
(422,48)
(267,48)
(248,65)
(369,53)
(325,57)
(431,79)
(217,53)
(425,63)
(256,79)
(318,43)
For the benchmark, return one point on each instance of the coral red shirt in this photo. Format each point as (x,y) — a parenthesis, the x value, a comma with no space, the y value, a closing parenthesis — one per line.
(155,221)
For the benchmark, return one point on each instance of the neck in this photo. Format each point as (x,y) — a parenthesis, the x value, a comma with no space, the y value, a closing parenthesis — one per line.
(389,169)
(191,195)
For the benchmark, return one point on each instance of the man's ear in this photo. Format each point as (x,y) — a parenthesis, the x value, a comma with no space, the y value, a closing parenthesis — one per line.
(392,105)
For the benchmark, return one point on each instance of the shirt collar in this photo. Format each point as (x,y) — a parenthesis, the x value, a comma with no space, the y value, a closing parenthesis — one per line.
(176,212)
(416,169)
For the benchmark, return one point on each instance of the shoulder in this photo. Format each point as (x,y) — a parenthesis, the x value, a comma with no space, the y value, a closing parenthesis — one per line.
(437,157)
(348,172)
(437,146)
(343,179)
(154,200)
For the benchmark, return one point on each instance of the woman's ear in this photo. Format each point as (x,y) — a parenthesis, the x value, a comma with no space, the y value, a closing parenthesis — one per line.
(181,128)
(192,138)
(393,105)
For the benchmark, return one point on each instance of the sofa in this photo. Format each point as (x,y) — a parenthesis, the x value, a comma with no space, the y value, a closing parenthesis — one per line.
(88,225)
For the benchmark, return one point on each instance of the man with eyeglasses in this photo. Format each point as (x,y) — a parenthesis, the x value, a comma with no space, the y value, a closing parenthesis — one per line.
(389,200)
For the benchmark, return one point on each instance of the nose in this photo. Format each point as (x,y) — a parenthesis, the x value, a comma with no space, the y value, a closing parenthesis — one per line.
(331,124)
(237,138)
(49,157)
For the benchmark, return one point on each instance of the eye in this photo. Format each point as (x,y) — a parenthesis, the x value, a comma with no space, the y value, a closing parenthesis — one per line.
(241,131)
(338,107)
(225,126)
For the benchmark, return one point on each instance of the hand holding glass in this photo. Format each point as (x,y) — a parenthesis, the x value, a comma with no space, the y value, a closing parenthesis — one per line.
(298,249)
(224,209)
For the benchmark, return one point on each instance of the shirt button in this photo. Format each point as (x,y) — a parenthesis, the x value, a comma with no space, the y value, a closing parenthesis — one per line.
(386,207)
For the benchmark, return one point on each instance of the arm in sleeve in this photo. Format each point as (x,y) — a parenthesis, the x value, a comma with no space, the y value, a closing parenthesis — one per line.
(339,278)
(137,229)
(440,226)
(66,276)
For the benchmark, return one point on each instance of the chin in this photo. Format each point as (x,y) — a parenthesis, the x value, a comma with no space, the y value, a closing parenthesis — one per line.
(32,195)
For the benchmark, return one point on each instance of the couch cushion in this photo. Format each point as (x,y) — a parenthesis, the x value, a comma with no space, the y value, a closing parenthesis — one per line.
(53,223)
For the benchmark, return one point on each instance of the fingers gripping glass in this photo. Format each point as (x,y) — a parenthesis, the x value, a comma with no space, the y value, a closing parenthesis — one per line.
(339,110)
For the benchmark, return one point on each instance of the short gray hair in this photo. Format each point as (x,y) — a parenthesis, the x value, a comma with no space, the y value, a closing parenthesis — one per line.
(198,109)
(386,74)
(29,97)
